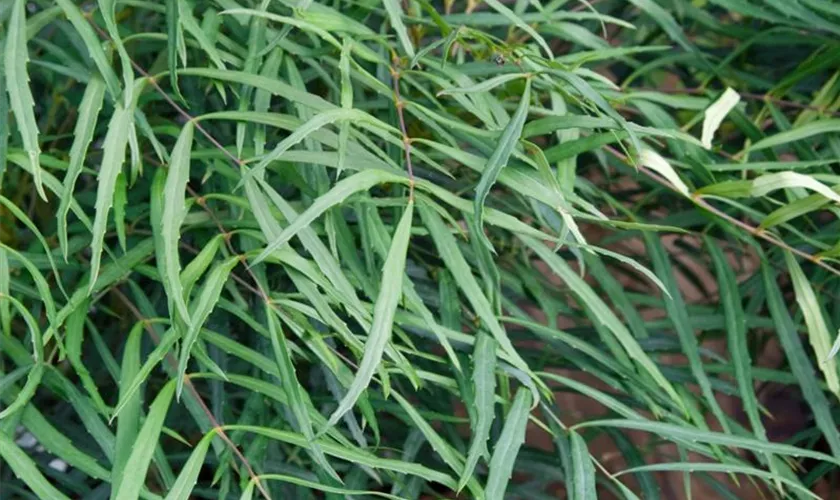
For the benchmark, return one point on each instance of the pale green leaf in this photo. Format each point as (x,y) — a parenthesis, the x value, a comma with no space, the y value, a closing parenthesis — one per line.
(716,113)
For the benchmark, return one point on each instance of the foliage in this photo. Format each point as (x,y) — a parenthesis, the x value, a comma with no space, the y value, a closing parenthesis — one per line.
(360,248)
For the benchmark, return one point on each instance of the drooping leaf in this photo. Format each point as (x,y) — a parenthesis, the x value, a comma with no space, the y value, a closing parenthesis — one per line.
(83,134)
(174,211)
(20,95)
(200,310)
(395,13)
(144,445)
(507,447)
(390,292)
(113,156)
(716,113)
(498,160)
(584,479)
(484,390)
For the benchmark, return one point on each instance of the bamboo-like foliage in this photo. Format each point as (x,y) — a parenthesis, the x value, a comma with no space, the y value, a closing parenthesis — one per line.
(359,249)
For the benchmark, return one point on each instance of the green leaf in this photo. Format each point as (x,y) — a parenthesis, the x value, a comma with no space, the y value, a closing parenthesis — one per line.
(298,400)
(486,85)
(736,335)
(818,333)
(183,487)
(20,95)
(146,440)
(317,122)
(799,362)
(676,309)
(351,185)
(395,13)
(520,23)
(33,380)
(379,336)
(93,45)
(346,103)
(346,493)
(451,457)
(174,211)
(797,134)
(83,134)
(352,454)
(484,389)
(73,344)
(26,470)
(128,408)
(200,263)
(683,432)
(113,157)
(666,21)
(712,467)
(44,290)
(201,308)
(507,447)
(174,33)
(602,313)
(499,159)
(584,478)
(120,200)
(457,265)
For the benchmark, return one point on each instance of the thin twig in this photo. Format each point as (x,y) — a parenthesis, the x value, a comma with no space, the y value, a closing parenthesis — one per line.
(400,104)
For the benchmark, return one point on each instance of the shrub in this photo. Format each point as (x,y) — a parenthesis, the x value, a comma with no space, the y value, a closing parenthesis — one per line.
(293,249)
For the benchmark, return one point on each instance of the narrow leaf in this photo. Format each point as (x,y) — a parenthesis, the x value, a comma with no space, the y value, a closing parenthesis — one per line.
(498,160)
(144,445)
(390,292)
(818,333)
(484,389)
(25,468)
(507,447)
(20,95)
(584,471)
(351,185)
(83,134)
(716,113)
(298,400)
(113,157)
(204,304)
(174,211)
(183,487)
(394,10)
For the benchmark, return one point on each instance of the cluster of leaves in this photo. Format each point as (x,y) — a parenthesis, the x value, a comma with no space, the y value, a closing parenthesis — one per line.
(297,248)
